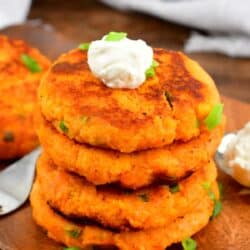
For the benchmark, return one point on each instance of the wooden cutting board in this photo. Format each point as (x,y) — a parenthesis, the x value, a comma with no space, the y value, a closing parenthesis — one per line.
(229,231)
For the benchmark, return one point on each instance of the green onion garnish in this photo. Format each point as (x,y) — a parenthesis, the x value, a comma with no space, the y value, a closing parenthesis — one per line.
(84,46)
(155,63)
(144,197)
(217,203)
(63,127)
(115,36)
(214,117)
(220,189)
(73,233)
(211,195)
(189,244)
(174,189)
(8,136)
(206,185)
(150,72)
(217,208)
(31,63)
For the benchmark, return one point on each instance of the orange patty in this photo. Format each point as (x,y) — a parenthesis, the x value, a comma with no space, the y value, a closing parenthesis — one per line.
(163,109)
(150,207)
(61,229)
(135,170)
(18,91)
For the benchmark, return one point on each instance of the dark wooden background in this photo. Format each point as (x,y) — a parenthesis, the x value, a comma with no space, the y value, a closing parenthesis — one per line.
(85,20)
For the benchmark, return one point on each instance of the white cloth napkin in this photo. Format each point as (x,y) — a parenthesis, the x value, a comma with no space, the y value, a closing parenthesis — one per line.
(13,12)
(226,21)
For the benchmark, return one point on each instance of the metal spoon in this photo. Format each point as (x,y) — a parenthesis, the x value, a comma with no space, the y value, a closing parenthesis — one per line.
(219,155)
(16,182)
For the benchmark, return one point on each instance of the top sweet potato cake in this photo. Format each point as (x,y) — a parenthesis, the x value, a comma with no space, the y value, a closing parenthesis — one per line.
(164,108)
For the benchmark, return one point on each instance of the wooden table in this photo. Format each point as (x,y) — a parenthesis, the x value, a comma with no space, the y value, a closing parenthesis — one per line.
(231,229)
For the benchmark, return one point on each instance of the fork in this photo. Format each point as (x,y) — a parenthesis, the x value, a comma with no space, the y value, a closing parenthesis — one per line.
(16,181)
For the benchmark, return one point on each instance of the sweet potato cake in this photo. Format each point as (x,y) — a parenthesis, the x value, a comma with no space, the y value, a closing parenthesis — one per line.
(149,207)
(18,91)
(134,170)
(165,108)
(71,234)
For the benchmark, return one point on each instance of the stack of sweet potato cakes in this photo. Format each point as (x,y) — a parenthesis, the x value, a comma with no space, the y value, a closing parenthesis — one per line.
(21,68)
(127,168)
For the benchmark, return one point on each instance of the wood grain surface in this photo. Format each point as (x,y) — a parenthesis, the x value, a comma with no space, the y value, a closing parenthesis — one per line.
(230,231)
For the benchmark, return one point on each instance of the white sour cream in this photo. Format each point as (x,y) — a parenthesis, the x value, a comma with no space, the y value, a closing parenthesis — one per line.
(237,156)
(120,64)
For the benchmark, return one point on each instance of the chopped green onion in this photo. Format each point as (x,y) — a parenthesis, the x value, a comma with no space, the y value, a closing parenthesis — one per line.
(73,233)
(189,244)
(211,195)
(174,189)
(30,63)
(84,46)
(115,36)
(8,136)
(214,117)
(144,197)
(217,208)
(71,248)
(155,63)
(217,203)
(206,185)
(63,127)
(150,72)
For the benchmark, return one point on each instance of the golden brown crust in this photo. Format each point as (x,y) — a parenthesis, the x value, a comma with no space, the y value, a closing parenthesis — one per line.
(135,170)
(18,91)
(128,120)
(150,207)
(151,239)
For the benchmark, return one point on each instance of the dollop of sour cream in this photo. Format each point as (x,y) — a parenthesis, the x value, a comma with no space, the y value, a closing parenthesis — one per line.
(237,156)
(120,64)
